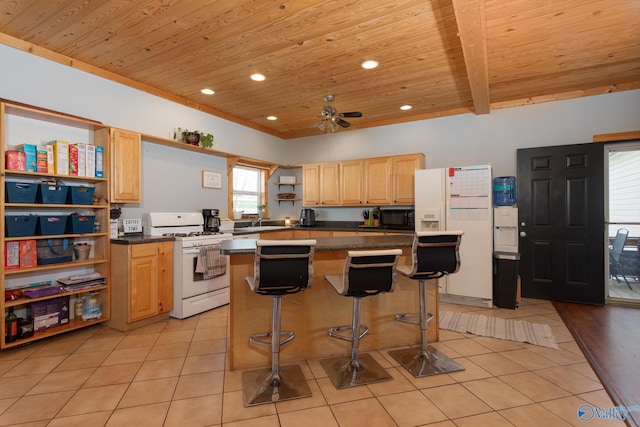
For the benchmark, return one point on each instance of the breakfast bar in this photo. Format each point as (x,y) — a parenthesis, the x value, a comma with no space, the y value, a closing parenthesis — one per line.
(312,312)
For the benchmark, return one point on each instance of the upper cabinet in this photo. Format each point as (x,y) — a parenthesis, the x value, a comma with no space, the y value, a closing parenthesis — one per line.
(126,149)
(321,184)
(404,168)
(352,183)
(373,181)
(377,183)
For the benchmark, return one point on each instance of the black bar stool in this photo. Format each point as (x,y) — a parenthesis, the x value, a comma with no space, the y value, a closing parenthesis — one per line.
(281,267)
(434,254)
(366,273)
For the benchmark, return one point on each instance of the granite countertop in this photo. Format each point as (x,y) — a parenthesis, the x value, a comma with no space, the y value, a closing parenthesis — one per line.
(248,246)
(320,226)
(137,239)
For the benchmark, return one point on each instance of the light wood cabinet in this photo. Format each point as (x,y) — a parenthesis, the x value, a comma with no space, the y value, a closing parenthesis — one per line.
(404,170)
(377,174)
(126,152)
(321,185)
(27,125)
(352,183)
(311,185)
(371,182)
(143,283)
(330,184)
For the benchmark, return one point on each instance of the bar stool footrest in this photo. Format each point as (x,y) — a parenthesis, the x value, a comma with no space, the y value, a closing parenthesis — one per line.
(346,332)
(412,318)
(263,386)
(424,363)
(265,338)
(345,372)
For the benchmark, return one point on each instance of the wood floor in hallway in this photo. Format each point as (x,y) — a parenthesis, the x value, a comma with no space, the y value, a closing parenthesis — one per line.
(608,337)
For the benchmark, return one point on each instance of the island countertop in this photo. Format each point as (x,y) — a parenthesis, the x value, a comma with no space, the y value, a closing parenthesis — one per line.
(248,246)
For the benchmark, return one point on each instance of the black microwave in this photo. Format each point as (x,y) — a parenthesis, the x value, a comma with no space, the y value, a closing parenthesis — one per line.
(401,219)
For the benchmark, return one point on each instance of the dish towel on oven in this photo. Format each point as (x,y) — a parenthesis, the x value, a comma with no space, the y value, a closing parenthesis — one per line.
(211,263)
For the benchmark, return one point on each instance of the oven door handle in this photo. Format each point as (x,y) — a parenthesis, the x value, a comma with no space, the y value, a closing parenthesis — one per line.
(195,250)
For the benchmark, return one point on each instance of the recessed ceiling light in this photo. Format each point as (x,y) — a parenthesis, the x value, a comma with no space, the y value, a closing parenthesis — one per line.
(208,91)
(406,107)
(272,118)
(369,64)
(257,77)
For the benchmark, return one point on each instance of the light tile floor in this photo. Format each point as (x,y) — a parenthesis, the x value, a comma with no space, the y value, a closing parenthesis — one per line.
(173,373)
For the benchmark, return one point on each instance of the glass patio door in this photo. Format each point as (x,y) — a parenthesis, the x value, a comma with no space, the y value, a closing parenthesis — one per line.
(623,221)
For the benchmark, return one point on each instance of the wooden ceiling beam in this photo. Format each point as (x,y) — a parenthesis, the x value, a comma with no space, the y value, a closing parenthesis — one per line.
(470,16)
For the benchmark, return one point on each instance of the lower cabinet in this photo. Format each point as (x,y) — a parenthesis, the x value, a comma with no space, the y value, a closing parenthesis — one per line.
(142,276)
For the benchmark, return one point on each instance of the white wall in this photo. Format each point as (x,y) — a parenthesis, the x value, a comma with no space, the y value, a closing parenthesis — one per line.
(172,177)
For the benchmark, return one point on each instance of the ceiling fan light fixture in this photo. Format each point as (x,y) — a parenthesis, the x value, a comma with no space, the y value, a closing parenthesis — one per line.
(272,118)
(207,91)
(406,107)
(257,77)
(369,64)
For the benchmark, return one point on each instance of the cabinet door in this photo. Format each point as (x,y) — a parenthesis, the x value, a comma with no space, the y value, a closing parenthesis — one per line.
(310,185)
(330,183)
(125,166)
(165,277)
(352,190)
(377,174)
(404,168)
(143,286)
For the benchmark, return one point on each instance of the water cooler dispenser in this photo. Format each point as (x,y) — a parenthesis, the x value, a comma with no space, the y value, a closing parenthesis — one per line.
(506,257)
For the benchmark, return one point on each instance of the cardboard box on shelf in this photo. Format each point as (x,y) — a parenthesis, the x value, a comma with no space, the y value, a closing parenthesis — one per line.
(90,164)
(11,255)
(29,151)
(50,313)
(60,156)
(42,165)
(15,160)
(82,159)
(73,160)
(28,253)
(51,160)
(99,162)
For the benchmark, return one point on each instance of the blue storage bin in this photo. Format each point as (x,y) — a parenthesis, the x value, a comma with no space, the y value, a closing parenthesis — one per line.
(80,224)
(52,224)
(20,192)
(20,225)
(52,193)
(81,195)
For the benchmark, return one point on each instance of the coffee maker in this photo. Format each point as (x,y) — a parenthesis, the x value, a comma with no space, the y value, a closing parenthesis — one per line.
(211,220)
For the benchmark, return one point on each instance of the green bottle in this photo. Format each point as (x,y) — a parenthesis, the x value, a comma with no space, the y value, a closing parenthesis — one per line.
(10,326)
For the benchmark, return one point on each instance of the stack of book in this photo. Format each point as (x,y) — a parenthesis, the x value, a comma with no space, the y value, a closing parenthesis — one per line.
(81,282)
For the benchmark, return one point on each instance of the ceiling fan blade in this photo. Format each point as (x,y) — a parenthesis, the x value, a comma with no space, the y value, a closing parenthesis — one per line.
(351,114)
(343,123)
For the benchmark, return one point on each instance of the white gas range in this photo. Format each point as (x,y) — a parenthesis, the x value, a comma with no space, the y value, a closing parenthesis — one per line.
(195,289)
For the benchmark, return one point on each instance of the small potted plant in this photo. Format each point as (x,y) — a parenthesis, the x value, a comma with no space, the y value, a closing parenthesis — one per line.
(261,209)
(194,137)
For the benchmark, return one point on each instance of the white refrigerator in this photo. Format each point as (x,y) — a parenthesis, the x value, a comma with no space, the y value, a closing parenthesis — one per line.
(459,198)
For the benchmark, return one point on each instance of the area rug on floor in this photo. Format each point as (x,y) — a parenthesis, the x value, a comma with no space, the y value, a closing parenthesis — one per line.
(495,327)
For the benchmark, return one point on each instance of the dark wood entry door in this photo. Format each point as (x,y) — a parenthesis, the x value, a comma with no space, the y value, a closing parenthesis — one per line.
(561,222)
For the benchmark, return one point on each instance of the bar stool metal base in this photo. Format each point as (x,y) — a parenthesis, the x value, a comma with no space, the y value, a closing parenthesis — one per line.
(424,363)
(263,386)
(346,372)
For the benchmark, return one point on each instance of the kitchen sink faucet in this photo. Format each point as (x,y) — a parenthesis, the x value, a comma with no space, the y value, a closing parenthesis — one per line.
(257,222)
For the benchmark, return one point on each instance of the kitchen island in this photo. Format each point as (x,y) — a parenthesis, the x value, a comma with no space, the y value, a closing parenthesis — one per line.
(312,312)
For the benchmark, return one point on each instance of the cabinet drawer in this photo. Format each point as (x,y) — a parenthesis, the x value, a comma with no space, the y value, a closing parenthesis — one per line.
(148,249)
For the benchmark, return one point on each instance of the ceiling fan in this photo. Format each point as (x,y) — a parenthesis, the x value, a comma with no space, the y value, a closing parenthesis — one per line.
(331,118)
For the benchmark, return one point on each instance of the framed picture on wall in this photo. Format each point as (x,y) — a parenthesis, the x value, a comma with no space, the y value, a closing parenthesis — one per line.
(211,179)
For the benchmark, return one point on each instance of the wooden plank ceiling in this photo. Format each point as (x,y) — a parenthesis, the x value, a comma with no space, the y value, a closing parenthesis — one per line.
(443,57)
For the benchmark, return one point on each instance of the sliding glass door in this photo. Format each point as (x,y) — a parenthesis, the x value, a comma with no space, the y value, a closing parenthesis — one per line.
(623,220)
